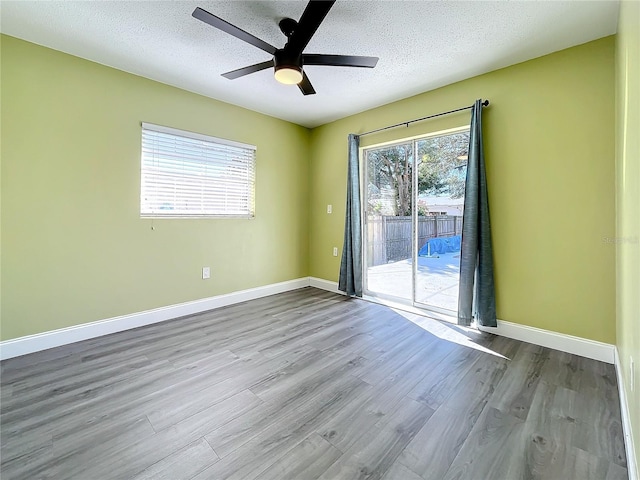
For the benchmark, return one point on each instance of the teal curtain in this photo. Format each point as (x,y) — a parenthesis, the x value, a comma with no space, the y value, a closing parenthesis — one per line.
(476,255)
(351,264)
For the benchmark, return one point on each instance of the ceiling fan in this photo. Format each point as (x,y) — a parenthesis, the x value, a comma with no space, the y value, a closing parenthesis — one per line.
(288,62)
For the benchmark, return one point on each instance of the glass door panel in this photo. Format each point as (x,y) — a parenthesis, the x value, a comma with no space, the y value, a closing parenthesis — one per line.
(442,168)
(388,207)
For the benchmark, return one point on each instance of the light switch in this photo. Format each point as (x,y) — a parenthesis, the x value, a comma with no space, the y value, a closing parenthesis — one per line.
(329,208)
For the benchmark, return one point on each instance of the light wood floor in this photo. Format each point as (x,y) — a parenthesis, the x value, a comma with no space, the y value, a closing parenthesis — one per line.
(308,385)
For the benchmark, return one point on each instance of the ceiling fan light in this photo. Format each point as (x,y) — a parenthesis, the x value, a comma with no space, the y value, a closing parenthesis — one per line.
(287,67)
(288,74)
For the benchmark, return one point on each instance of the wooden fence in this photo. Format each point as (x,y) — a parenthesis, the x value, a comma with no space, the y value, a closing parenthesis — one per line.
(389,238)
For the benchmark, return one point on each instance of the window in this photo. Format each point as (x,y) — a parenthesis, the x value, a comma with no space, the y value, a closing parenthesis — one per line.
(185,174)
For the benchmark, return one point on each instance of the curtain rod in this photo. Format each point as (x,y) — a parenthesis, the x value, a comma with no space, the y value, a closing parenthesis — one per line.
(484,104)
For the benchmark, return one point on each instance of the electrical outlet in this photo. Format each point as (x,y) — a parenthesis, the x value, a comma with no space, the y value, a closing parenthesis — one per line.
(329,208)
(633,374)
(206,273)
(335,251)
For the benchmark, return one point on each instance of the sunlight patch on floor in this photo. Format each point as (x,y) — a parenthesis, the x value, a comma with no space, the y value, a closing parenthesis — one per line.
(464,336)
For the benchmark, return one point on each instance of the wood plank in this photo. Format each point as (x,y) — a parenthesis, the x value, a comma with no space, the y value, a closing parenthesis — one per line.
(67,449)
(616,472)
(47,419)
(182,401)
(547,433)
(123,461)
(441,379)
(238,432)
(307,460)
(266,448)
(185,463)
(352,423)
(434,448)
(59,388)
(599,431)
(308,378)
(394,359)
(515,392)
(488,452)
(333,330)
(400,472)
(577,464)
(111,432)
(22,453)
(562,369)
(371,456)
(25,444)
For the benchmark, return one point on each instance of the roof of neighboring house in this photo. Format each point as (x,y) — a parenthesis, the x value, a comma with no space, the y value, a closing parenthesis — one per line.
(442,201)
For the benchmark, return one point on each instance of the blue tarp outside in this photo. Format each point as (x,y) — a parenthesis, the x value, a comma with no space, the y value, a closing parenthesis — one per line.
(440,245)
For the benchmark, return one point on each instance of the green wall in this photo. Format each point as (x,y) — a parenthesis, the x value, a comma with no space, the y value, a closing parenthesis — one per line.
(628,204)
(549,144)
(74,248)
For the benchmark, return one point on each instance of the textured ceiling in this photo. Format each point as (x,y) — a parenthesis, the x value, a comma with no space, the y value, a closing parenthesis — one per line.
(422,45)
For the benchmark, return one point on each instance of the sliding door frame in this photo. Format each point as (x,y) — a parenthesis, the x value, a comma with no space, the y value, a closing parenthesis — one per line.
(364,175)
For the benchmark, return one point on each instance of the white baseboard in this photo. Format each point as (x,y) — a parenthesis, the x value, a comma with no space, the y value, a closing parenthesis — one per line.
(558,341)
(325,285)
(632,461)
(603,352)
(43,341)
(64,336)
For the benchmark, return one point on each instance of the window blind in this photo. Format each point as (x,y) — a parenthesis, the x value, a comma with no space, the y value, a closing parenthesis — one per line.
(185,174)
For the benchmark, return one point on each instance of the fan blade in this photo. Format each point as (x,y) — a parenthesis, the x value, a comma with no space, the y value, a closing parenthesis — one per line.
(305,85)
(339,60)
(225,26)
(241,72)
(309,22)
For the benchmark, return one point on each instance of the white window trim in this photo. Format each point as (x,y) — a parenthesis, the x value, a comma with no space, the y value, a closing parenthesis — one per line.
(196,136)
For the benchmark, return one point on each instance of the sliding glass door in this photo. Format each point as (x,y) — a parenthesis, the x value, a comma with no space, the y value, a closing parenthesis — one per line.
(413,204)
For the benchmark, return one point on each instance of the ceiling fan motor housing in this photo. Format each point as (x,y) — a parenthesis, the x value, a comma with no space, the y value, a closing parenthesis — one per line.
(288,66)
